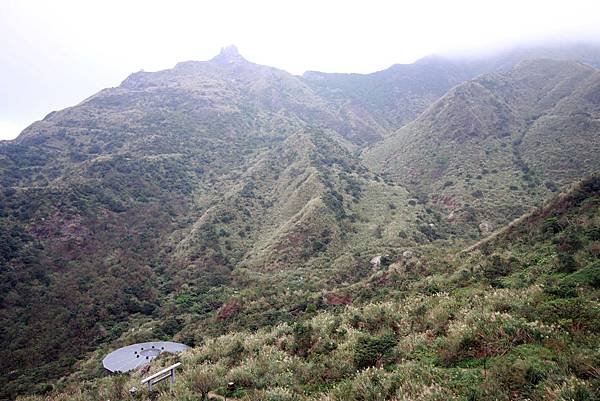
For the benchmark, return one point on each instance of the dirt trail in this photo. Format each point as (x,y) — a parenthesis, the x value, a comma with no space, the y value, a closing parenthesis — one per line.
(216,396)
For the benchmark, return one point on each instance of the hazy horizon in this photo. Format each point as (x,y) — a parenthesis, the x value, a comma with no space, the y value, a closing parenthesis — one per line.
(57,54)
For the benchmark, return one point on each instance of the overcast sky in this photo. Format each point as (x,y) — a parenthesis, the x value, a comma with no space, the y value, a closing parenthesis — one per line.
(53,54)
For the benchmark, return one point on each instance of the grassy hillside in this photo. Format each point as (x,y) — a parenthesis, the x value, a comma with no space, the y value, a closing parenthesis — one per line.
(393,97)
(516,317)
(498,145)
(223,196)
(180,192)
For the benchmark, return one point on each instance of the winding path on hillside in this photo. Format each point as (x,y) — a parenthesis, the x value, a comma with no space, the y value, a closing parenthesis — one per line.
(215,396)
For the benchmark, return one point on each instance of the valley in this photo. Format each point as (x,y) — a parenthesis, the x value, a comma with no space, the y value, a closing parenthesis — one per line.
(303,234)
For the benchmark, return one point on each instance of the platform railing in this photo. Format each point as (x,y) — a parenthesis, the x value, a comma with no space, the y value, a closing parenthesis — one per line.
(159,376)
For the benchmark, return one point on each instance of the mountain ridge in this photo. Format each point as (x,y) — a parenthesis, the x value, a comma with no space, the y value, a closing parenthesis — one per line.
(222,194)
(512,319)
(503,121)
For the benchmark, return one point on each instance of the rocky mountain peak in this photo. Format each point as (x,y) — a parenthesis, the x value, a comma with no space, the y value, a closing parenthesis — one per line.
(229,55)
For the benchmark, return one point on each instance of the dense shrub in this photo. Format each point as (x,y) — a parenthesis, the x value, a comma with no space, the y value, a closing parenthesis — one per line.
(303,339)
(566,263)
(203,379)
(589,276)
(373,350)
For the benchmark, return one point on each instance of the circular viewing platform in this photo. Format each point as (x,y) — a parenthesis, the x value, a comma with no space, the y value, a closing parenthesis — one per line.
(133,356)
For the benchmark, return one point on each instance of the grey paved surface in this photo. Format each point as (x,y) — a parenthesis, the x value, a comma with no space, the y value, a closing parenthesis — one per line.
(130,357)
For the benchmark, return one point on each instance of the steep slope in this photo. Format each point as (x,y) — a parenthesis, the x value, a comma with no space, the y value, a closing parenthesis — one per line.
(224,195)
(174,193)
(517,317)
(504,60)
(499,144)
(394,97)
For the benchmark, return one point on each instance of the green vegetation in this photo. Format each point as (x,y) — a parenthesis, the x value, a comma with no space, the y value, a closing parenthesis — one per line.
(534,336)
(227,205)
(491,148)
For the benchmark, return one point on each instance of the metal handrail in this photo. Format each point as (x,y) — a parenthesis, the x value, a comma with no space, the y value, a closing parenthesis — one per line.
(161,375)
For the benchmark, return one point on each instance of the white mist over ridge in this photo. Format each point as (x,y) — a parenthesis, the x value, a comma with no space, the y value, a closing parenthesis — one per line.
(54,54)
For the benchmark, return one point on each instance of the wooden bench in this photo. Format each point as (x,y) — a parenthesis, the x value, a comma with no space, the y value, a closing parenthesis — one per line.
(163,374)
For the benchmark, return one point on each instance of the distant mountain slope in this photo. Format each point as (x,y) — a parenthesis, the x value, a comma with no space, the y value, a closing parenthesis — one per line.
(502,61)
(394,96)
(224,195)
(497,145)
(206,177)
(397,95)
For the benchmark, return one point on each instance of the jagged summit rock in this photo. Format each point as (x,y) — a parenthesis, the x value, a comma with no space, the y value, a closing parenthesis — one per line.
(229,55)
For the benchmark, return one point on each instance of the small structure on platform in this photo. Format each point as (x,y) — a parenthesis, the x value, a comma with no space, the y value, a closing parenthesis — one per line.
(133,356)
